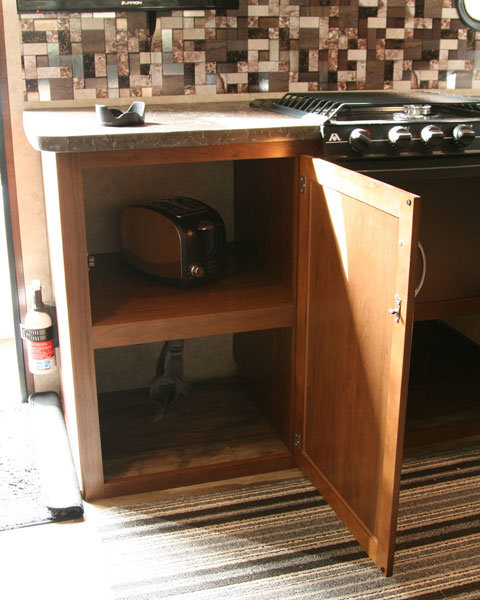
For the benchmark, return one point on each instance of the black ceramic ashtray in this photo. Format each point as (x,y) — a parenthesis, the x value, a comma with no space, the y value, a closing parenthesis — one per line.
(113,117)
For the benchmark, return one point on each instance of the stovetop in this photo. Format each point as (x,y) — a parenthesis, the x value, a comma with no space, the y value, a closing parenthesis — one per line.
(388,124)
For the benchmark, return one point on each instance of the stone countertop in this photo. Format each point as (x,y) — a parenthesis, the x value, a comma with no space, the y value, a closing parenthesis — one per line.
(175,125)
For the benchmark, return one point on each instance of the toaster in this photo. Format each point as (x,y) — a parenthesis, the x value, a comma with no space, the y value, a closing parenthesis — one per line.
(179,240)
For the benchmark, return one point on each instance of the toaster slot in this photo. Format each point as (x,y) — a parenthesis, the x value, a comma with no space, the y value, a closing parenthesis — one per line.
(180,207)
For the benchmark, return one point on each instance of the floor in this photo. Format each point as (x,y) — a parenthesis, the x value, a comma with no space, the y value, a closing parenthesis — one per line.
(47,561)
(64,560)
(57,561)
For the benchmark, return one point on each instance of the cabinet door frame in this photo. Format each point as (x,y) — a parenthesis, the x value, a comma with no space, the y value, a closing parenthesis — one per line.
(318,180)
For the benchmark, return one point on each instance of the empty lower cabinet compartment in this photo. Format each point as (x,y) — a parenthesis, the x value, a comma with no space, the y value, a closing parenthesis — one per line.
(443,400)
(237,420)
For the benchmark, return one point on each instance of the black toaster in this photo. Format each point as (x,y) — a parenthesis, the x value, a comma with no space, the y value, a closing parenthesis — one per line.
(179,240)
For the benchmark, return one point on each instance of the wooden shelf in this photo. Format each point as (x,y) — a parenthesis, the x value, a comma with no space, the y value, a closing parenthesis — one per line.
(129,307)
(442,309)
(216,428)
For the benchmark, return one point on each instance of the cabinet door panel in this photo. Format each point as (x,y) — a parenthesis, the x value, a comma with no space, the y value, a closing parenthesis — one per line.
(357,236)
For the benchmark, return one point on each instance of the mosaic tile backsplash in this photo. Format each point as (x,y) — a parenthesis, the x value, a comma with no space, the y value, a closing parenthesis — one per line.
(264,46)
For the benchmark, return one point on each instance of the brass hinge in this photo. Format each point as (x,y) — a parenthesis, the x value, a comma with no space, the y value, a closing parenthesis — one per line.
(297,440)
(303,184)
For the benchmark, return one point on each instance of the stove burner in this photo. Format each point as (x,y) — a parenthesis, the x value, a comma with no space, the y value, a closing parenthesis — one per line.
(415,111)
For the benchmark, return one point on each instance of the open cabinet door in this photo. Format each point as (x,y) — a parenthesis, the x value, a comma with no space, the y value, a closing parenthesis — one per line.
(358,239)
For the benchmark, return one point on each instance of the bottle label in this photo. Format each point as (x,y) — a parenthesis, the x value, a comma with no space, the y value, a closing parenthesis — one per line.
(42,350)
(41,357)
(37,335)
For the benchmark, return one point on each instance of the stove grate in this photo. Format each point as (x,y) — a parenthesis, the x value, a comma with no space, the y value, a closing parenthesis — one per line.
(299,104)
(296,104)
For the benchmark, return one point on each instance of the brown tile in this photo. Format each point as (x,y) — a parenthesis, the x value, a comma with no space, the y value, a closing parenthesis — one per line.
(266,22)
(173,85)
(93,40)
(396,11)
(95,83)
(342,60)
(134,64)
(375,75)
(308,38)
(226,67)
(433,8)
(362,28)
(137,20)
(348,16)
(215,51)
(61,89)
(307,77)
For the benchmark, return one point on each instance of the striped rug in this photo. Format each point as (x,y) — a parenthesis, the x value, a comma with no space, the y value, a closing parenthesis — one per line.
(280,541)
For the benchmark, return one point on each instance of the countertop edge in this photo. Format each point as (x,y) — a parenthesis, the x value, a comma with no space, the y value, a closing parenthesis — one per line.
(75,131)
(130,141)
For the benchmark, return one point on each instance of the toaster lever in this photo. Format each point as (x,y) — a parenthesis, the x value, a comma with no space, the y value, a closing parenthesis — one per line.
(206,237)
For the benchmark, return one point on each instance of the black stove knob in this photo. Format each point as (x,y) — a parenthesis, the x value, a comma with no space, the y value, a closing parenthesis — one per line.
(464,134)
(400,136)
(432,135)
(360,140)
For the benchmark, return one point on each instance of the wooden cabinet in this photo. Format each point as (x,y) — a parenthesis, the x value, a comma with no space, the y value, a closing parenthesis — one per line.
(321,335)
(115,306)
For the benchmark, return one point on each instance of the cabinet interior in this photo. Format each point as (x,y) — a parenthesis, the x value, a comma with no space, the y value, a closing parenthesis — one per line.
(236,411)
(443,402)
(238,331)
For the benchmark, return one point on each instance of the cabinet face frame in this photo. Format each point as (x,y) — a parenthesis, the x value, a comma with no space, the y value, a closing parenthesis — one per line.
(357,237)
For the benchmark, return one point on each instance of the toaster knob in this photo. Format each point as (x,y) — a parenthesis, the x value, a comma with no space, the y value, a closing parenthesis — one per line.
(197,271)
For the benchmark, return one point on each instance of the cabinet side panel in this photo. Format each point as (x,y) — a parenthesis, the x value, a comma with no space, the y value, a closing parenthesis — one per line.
(264,362)
(67,245)
(265,213)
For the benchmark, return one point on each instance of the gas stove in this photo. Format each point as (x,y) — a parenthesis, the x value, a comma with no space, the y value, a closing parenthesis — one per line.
(363,125)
